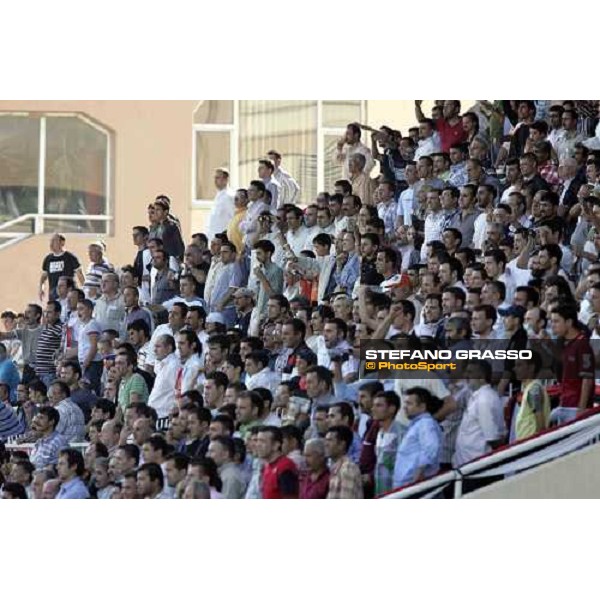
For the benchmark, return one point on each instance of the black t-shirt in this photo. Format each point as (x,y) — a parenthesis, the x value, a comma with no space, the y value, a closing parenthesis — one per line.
(64,265)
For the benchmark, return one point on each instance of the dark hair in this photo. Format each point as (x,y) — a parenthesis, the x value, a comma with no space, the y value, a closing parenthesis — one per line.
(532,294)
(132,451)
(226,421)
(155,472)
(259,356)
(106,406)
(490,312)
(484,367)
(276,433)
(227,444)
(458,293)
(74,459)
(323,239)
(221,380)
(140,325)
(51,413)
(254,342)
(343,434)
(323,374)
(346,411)
(16,490)
(210,469)
(292,432)
(371,387)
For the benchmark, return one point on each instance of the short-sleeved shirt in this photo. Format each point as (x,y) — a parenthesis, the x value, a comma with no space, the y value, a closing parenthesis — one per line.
(57,266)
(578,364)
(83,345)
(279,479)
(134,384)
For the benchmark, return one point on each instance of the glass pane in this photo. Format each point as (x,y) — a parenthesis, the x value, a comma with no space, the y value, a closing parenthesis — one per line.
(75,170)
(332,170)
(214,111)
(338,113)
(212,152)
(83,226)
(19,164)
(290,128)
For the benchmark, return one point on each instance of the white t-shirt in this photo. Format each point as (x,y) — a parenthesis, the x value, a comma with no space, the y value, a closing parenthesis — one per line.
(83,341)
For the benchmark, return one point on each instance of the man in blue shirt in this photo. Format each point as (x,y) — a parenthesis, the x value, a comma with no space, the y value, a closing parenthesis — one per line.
(70,468)
(418,455)
(9,423)
(9,374)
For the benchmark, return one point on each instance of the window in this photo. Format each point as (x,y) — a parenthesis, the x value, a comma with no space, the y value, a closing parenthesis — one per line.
(55,168)
(236,134)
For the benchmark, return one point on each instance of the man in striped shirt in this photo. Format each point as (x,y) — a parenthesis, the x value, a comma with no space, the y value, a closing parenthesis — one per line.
(46,449)
(49,343)
(71,424)
(289,190)
(9,423)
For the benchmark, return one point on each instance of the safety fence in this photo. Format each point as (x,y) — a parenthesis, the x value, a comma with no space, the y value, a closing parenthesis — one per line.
(509,460)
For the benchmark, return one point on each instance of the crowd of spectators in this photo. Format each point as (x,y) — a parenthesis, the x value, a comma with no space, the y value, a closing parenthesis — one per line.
(230,367)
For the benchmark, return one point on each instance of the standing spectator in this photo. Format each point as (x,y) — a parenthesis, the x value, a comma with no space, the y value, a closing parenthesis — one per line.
(151,482)
(280,475)
(349,145)
(72,422)
(9,374)
(50,442)
(345,480)
(49,343)
(482,428)
(223,205)
(70,469)
(70,373)
(577,383)
(234,233)
(221,450)
(164,285)
(189,349)
(109,310)
(362,184)
(570,137)
(132,388)
(98,266)
(289,190)
(90,359)
(449,126)
(314,482)
(167,230)
(429,141)
(228,279)
(265,171)
(57,264)
(270,281)
(389,433)
(533,411)
(418,454)
(9,423)
(162,397)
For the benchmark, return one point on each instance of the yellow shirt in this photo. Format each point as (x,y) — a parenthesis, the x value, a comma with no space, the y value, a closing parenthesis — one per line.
(535,399)
(234,235)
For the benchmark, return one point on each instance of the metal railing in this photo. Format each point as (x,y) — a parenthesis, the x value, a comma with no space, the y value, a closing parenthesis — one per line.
(38,225)
(516,458)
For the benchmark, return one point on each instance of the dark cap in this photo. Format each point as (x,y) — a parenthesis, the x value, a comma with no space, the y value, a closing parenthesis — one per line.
(513,311)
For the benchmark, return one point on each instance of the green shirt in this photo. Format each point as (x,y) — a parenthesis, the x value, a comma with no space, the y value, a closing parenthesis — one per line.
(135,384)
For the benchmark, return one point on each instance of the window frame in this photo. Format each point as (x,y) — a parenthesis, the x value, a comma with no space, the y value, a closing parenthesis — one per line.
(234,162)
(40,216)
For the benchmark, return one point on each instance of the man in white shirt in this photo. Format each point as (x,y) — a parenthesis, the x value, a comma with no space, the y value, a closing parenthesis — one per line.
(434,222)
(289,190)
(259,375)
(265,171)
(486,194)
(223,206)
(162,397)
(350,144)
(482,428)
(429,141)
(297,234)
(407,197)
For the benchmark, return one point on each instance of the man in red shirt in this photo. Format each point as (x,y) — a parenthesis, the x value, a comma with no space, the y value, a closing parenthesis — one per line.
(449,127)
(280,475)
(577,357)
(314,483)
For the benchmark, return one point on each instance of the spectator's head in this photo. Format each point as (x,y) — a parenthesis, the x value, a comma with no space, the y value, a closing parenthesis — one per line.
(150,480)
(221,450)
(70,465)
(337,442)
(269,442)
